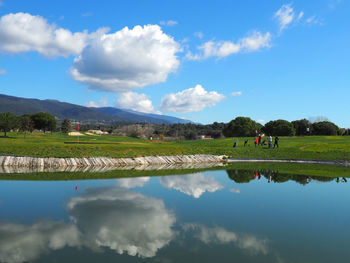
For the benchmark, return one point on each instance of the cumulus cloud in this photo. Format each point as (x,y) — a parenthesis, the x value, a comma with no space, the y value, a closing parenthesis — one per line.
(3,71)
(253,42)
(193,184)
(236,93)
(261,121)
(96,104)
(22,243)
(135,101)
(123,221)
(127,59)
(133,182)
(190,100)
(219,235)
(23,32)
(284,16)
(168,23)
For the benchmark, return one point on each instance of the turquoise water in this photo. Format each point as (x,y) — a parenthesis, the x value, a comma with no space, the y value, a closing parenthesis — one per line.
(213,216)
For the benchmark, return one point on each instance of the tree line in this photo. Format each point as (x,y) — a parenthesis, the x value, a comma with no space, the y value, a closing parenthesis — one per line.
(238,127)
(27,123)
(246,127)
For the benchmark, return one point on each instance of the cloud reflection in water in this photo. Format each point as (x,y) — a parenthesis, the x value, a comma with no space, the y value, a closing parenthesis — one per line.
(219,235)
(191,184)
(122,220)
(116,218)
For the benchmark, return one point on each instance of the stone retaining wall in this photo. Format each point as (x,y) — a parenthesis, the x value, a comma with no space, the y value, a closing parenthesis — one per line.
(16,161)
(99,169)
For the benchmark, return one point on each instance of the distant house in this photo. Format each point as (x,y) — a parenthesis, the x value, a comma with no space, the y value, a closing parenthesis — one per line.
(205,137)
(97,132)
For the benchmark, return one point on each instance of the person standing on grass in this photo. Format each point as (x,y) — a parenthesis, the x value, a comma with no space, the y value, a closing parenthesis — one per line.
(255,141)
(270,141)
(276,142)
(260,137)
(235,144)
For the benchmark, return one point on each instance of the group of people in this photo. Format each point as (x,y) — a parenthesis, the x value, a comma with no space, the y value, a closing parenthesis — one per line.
(258,141)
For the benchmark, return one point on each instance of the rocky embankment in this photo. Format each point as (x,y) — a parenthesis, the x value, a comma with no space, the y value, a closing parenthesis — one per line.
(26,161)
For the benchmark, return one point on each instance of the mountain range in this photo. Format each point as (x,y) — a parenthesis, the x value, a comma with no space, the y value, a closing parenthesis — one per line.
(64,110)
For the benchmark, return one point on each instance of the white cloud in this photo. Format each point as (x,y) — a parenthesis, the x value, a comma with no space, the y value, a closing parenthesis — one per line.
(23,243)
(123,221)
(253,42)
(300,16)
(313,20)
(285,16)
(23,32)
(135,101)
(236,93)
(92,104)
(127,59)
(334,3)
(96,104)
(198,34)
(192,184)
(189,100)
(3,71)
(235,190)
(261,121)
(219,235)
(168,23)
(87,14)
(129,183)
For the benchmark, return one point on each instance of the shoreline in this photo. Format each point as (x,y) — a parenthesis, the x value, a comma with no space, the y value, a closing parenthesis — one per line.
(336,163)
(25,161)
(51,162)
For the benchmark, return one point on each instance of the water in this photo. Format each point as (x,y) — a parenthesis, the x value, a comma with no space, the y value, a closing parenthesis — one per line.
(213,216)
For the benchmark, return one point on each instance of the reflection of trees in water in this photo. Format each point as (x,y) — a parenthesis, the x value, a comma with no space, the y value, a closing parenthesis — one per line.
(245,176)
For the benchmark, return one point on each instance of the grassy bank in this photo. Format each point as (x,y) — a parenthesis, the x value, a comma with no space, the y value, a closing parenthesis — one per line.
(62,145)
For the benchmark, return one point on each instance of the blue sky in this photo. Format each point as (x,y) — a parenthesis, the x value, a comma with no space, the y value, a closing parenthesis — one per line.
(201,60)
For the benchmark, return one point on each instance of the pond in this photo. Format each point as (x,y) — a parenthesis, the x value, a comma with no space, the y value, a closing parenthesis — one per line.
(208,216)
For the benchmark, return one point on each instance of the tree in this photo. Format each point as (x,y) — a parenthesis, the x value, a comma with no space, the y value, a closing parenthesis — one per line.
(302,127)
(241,127)
(325,128)
(66,126)
(26,124)
(8,121)
(44,121)
(279,128)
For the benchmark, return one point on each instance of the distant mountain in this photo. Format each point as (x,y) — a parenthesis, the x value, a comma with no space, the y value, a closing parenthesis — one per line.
(63,110)
(142,117)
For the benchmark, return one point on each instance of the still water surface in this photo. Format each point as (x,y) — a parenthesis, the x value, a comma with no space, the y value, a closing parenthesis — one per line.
(213,216)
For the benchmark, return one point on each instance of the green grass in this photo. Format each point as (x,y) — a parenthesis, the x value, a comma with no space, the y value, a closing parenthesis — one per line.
(55,145)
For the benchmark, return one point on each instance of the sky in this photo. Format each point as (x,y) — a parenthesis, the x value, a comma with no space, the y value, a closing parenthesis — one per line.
(204,61)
